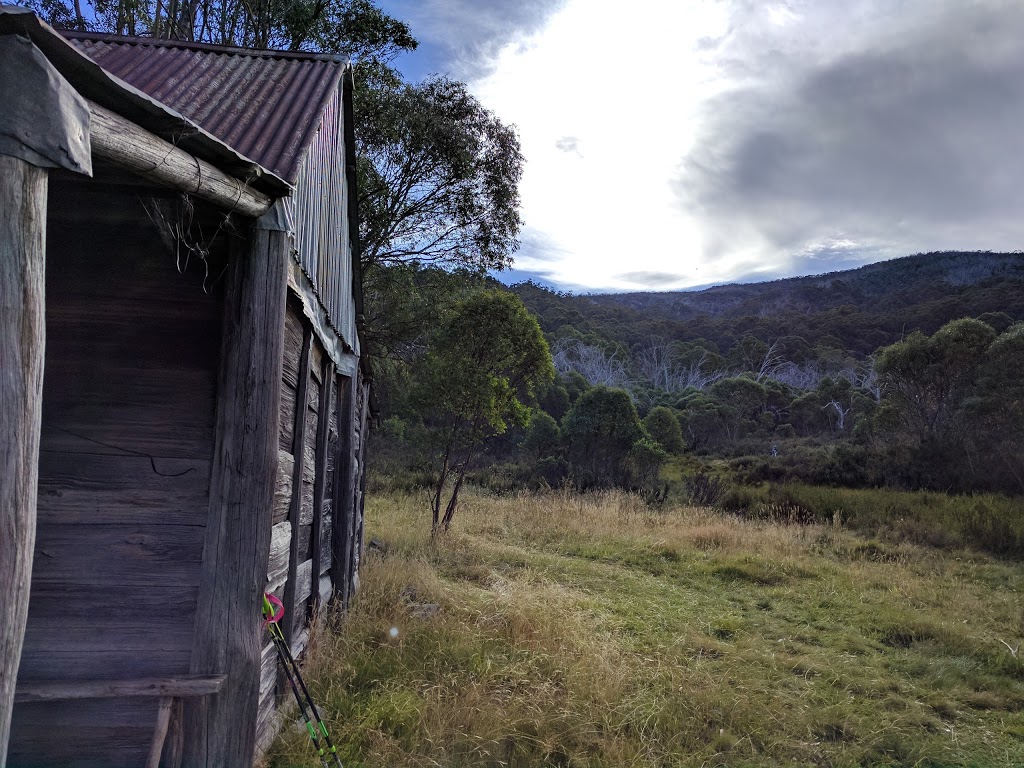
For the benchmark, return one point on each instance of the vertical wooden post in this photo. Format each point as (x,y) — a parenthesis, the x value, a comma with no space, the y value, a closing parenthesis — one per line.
(344,495)
(23,189)
(320,482)
(220,730)
(299,452)
(357,538)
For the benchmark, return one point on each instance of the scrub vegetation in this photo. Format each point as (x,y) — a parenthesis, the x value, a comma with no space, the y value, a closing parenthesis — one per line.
(566,629)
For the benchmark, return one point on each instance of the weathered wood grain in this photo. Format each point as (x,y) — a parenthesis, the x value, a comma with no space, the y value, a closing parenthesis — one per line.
(316,365)
(190,685)
(89,489)
(23,190)
(303,589)
(326,536)
(280,548)
(326,588)
(268,671)
(163,722)
(313,396)
(320,488)
(283,486)
(113,733)
(293,336)
(72,664)
(115,555)
(309,456)
(344,496)
(286,435)
(306,511)
(144,633)
(304,550)
(227,638)
(295,512)
(128,146)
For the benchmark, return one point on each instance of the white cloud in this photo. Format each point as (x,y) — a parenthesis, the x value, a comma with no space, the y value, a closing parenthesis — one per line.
(672,144)
(624,87)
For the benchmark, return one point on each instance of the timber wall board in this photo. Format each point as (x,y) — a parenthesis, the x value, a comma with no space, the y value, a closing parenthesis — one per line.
(301,558)
(127,436)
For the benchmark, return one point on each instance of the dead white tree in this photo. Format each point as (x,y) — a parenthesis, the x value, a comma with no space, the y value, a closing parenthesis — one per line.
(591,362)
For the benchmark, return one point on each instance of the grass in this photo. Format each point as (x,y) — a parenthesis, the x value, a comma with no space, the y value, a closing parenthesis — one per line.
(589,631)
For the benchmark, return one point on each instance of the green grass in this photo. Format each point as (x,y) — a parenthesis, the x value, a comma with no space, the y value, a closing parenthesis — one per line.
(588,631)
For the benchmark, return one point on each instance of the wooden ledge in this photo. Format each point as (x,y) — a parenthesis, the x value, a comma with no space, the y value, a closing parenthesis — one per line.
(189,686)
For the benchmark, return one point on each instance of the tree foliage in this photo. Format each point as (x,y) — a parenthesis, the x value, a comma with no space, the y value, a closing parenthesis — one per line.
(600,430)
(486,361)
(439,177)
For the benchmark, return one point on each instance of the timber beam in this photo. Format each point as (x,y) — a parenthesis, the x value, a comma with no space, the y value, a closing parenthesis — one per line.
(135,149)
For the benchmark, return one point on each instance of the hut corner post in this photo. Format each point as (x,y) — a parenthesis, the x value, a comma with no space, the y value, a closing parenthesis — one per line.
(220,731)
(23,190)
(44,124)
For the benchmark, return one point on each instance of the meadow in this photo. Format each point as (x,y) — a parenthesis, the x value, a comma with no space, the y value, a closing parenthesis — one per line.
(556,629)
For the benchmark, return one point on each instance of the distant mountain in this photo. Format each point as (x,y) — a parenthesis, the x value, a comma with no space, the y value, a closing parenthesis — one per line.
(856,310)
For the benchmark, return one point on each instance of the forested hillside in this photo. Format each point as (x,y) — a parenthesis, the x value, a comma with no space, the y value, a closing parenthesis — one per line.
(857,310)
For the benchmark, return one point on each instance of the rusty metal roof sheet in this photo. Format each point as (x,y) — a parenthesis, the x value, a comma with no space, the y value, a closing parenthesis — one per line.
(267,105)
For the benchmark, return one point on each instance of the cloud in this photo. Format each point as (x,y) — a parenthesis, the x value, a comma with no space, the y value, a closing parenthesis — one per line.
(655,280)
(569,144)
(469,33)
(901,142)
(746,139)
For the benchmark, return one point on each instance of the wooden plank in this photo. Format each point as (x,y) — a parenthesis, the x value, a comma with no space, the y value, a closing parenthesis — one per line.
(112,733)
(23,191)
(111,555)
(228,634)
(188,686)
(287,418)
(128,146)
(298,500)
(313,395)
(325,590)
(316,364)
(163,721)
(357,543)
(293,339)
(283,487)
(81,601)
(303,589)
(268,671)
(301,641)
(326,534)
(144,633)
(306,510)
(309,455)
(174,746)
(280,548)
(305,547)
(89,489)
(71,663)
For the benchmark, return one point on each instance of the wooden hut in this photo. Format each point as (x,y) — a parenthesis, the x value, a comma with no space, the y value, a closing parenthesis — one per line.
(183,401)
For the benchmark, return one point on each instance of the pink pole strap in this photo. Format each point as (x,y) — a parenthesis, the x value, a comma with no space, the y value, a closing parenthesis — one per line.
(278,609)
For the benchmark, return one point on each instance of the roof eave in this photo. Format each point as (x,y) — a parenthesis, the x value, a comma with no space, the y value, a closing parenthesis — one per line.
(98,85)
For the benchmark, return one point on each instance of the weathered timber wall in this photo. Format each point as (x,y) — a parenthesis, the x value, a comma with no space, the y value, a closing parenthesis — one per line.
(127,437)
(301,559)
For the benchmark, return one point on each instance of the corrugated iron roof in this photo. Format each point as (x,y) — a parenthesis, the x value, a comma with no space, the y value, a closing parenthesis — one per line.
(265,104)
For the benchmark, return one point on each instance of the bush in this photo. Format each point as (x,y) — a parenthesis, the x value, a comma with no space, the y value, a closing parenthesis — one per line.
(704,490)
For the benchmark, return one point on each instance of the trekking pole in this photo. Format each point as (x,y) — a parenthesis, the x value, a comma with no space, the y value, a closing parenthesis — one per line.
(297,684)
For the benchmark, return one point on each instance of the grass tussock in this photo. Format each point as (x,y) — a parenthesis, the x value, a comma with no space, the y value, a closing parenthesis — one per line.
(589,631)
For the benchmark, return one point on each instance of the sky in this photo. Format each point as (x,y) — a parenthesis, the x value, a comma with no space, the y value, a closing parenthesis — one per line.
(674,144)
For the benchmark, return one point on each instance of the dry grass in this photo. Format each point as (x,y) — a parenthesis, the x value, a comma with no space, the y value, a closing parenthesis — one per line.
(589,631)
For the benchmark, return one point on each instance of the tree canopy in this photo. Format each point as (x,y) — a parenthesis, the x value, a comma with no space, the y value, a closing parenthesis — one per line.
(486,361)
